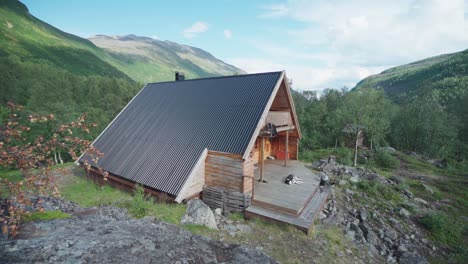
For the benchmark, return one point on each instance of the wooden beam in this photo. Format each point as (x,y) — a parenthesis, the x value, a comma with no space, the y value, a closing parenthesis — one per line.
(261,122)
(286,149)
(285,128)
(278,129)
(262,147)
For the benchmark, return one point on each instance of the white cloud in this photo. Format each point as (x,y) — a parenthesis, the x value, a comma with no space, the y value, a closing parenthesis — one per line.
(155,37)
(352,39)
(310,77)
(227,33)
(195,29)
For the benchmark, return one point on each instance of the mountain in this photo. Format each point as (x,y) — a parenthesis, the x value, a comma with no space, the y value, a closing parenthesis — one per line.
(147,60)
(445,74)
(51,71)
(34,41)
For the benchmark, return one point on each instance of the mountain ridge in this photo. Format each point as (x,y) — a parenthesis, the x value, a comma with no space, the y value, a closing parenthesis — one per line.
(437,72)
(148,59)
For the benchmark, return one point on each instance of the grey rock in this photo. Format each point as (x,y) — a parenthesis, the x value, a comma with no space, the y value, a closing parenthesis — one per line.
(391,259)
(374,177)
(324,179)
(316,164)
(198,213)
(363,215)
(390,233)
(244,228)
(218,211)
(349,192)
(372,238)
(359,235)
(322,216)
(350,234)
(408,193)
(396,179)
(403,212)
(402,249)
(342,182)
(117,238)
(354,179)
(428,189)
(412,258)
(420,201)
(393,221)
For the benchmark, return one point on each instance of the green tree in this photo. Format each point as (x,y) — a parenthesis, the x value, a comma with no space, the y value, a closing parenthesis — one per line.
(365,111)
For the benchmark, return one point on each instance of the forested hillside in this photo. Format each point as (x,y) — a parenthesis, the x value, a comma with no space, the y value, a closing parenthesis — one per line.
(420,107)
(446,75)
(50,71)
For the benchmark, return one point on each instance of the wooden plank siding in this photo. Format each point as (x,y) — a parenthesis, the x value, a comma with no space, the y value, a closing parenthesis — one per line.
(195,181)
(224,170)
(279,144)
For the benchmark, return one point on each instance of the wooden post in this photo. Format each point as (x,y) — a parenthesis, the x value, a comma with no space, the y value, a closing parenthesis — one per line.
(286,149)
(262,146)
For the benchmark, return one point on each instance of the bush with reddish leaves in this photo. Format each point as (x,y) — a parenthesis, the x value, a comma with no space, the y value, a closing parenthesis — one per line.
(33,155)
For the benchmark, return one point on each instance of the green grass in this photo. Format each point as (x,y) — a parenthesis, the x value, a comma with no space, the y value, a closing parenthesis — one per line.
(87,194)
(236,217)
(443,228)
(343,155)
(381,191)
(422,166)
(84,192)
(47,215)
(11,175)
(199,230)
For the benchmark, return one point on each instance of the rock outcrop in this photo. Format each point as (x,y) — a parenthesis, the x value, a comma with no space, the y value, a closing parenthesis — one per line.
(109,235)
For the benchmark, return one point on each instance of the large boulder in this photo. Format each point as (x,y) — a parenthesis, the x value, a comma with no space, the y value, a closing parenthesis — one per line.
(198,213)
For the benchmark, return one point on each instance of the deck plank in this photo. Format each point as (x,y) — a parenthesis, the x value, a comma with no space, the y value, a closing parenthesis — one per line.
(292,198)
(304,221)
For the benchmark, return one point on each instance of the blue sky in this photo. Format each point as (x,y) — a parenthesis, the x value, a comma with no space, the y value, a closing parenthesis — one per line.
(320,44)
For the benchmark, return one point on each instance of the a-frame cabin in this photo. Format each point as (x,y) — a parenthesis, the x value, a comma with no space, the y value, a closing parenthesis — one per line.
(177,138)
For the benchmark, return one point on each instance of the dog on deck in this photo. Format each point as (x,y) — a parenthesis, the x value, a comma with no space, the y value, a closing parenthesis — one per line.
(292,179)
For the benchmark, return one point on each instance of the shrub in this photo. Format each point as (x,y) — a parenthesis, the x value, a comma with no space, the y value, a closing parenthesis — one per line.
(140,203)
(386,160)
(377,189)
(344,156)
(443,229)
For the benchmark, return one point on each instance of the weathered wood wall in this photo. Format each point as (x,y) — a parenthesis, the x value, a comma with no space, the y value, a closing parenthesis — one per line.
(216,197)
(224,170)
(277,144)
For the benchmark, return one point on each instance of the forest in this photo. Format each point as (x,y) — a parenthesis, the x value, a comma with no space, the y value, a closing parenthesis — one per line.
(425,122)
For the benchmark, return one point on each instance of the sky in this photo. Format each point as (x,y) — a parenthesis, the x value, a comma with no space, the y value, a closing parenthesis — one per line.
(320,44)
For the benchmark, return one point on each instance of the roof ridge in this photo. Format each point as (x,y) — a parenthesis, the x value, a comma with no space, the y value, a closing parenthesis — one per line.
(219,77)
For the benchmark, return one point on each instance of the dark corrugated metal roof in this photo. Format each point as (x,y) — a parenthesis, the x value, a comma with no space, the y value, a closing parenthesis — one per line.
(157,139)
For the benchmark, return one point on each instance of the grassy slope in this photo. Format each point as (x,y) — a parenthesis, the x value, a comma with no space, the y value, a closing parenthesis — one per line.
(32,40)
(435,71)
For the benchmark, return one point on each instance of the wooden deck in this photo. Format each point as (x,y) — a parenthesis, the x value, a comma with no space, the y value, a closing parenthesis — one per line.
(281,197)
(297,204)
